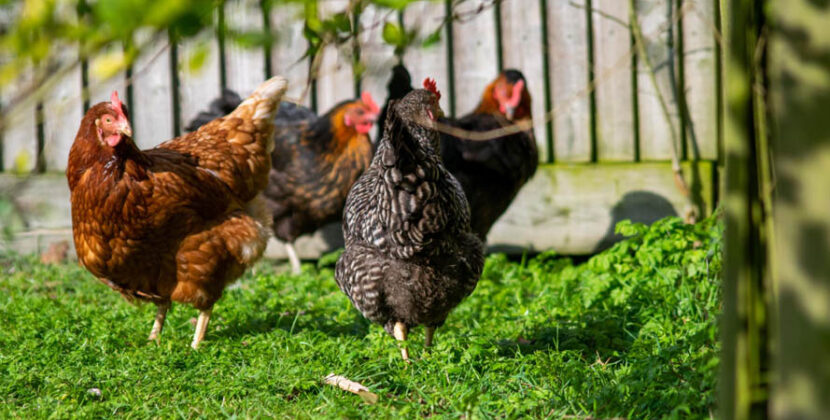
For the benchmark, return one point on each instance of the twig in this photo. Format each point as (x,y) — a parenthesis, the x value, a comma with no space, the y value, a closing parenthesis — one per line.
(347,384)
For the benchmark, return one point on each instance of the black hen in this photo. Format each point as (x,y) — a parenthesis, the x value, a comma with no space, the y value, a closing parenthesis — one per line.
(493,171)
(410,256)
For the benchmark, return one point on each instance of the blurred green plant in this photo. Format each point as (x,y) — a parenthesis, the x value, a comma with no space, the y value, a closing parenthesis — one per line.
(35,35)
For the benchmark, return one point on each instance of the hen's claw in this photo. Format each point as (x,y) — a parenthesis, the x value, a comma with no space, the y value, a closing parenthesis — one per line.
(158,323)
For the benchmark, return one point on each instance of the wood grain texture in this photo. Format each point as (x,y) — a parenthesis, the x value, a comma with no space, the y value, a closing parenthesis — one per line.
(245,65)
(335,80)
(19,126)
(656,21)
(522,49)
(431,61)
(474,54)
(152,116)
(700,79)
(288,49)
(198,86)
(614,85)
(62,115)
(570,98)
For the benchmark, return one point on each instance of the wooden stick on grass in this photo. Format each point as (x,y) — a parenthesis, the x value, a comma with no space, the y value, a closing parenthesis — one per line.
(347,384)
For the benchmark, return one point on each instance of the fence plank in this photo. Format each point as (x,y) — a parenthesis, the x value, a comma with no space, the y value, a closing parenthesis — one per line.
(62,110)
(474,54)
(431,61)
(335,80)
(568,44)
(655,18)
(700,79)
(19,126)
(152,96)
(100,87)
(289,48)
(377,57)
(245,66)
(522,48)
(198,87)
(613,76)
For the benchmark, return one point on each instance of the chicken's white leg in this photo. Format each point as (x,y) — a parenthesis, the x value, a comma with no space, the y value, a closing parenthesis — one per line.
(158,323)
(430,332)
(292,257)
(400,335)
(201,327)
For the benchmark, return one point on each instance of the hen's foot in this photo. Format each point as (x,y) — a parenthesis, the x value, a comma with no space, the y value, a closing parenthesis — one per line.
(430,332)
(400,334)
(292,257)
(158,323)
(201,327)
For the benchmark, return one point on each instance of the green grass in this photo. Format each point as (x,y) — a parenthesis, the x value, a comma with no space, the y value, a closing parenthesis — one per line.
(632,332)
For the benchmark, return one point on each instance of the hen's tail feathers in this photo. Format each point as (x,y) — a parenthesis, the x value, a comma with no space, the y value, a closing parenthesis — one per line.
(399,85)
(263,104)
(219,107)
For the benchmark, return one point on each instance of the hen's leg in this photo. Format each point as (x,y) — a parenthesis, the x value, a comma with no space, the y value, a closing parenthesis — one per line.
(400,335)
(158,323)
(292,257)
(201,327)
(430,331)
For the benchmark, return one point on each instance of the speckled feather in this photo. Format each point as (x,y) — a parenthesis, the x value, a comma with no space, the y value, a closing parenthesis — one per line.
(410,255)
(181,221)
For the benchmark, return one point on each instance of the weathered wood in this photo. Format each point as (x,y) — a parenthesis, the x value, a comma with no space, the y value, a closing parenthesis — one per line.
(101,85)
(474,53)
(19,125)
(744,361)
(656,19)
(571,208)
(198,86)
(62,110)
(335,80)
(376,56)
(62,106)
(570,97)
(431,61)
(613,76)
(700,74)
(245,66)
(152,116)
(522,47)
(288,49)
(798,60)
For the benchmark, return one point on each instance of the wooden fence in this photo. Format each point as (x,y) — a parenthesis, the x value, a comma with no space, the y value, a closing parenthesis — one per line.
(594,100)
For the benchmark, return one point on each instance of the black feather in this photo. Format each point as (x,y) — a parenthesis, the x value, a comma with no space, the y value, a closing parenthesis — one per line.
(410,254)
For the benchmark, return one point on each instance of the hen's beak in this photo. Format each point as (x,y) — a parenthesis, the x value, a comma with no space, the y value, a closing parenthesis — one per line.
(126,130)
(509,112)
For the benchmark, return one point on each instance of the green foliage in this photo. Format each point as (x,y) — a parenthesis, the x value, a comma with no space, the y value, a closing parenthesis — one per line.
(632,332)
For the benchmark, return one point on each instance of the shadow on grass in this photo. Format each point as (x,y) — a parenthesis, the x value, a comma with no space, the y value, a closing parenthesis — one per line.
(596,338)
(293,322)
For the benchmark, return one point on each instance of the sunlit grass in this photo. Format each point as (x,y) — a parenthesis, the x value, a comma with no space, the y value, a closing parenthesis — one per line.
(630,333)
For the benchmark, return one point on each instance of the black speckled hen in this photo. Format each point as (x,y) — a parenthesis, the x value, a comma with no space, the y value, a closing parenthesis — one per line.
(410,255)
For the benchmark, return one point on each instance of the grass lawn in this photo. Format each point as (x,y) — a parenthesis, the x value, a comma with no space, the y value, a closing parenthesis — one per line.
(630,333)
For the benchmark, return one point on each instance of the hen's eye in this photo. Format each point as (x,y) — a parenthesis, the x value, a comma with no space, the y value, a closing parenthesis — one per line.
(108,119)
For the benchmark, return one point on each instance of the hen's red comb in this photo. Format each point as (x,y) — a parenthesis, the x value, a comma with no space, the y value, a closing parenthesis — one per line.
(429,84)
(367,99)
(116,102)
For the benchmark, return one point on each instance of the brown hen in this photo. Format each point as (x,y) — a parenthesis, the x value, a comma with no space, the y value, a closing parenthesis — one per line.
(315,162)
(178,222)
